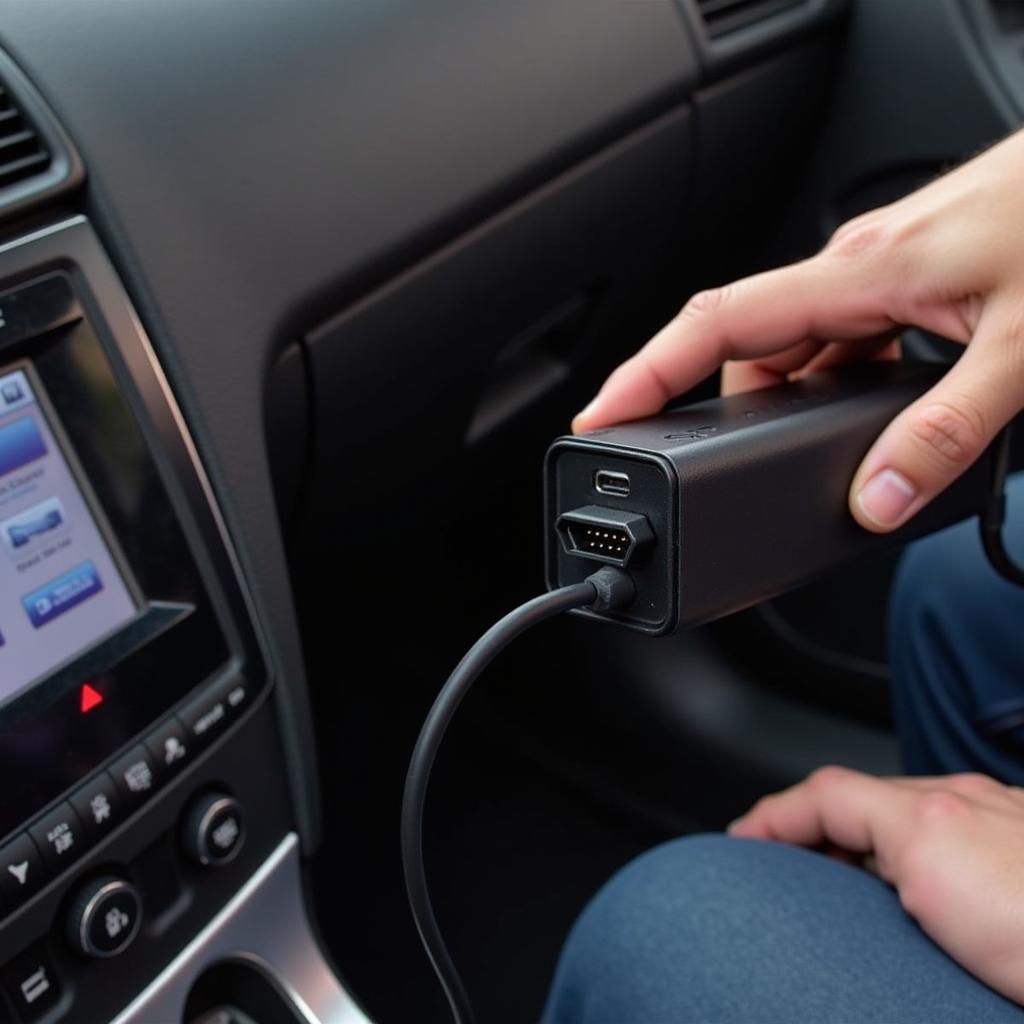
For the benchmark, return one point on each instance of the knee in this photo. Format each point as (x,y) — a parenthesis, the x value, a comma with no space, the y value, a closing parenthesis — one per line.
(657,891)
(641,941)
(712,928)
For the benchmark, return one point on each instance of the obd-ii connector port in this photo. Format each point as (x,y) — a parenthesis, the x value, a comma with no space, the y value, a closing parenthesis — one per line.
(605,535)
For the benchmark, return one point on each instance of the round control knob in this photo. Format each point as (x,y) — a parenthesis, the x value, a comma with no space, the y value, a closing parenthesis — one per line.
(105,917)
(213,830)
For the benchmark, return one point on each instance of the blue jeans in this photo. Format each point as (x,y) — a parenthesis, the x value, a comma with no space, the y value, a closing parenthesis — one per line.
(722,930)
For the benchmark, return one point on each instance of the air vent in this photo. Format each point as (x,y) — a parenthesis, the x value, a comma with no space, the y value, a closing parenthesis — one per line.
(22,153)
(724,16)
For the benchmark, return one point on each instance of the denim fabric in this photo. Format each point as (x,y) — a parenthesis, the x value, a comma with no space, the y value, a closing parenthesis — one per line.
(956,644)
(724,931)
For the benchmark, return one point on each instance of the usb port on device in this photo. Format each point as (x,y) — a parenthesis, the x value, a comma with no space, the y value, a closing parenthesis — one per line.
(615,485)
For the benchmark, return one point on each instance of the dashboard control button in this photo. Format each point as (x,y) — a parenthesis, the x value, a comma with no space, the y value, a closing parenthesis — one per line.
(237,696)
(32,984)
(213,829)
(105,916)
(21,871)
(136,775)
(99,805)
(209,713)
(60,837)
(204,718)
(170,747)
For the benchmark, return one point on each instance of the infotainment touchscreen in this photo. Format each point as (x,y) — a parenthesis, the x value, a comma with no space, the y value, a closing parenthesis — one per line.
(62,584)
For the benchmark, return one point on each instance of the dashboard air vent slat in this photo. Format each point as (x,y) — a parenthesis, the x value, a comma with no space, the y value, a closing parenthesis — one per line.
(22,153)
(25,135)
(724,16)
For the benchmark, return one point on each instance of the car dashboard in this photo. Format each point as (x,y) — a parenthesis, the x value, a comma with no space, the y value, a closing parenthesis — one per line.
(286,288)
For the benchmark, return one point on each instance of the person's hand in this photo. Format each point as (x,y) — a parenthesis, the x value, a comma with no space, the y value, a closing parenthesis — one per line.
(949,259)
(952,846)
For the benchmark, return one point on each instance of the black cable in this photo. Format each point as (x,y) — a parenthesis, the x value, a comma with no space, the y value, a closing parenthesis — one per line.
(994,516)
(606,589)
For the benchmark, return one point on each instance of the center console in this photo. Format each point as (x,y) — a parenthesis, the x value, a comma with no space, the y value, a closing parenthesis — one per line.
(146,829)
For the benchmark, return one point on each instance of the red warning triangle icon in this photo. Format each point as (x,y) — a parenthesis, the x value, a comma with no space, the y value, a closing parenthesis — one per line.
(90,698)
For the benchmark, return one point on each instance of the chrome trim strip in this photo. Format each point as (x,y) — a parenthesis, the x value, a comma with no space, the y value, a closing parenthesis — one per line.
(50,229)
(265,924)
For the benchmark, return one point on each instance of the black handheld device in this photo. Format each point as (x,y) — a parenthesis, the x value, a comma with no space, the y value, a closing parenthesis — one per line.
(696,513)
(725,503)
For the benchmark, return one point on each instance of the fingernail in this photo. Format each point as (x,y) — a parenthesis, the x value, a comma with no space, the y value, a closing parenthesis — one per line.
(583,414)
(732,824)
(885,498)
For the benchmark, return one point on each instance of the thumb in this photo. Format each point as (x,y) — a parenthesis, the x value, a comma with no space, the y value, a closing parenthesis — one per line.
(940,435)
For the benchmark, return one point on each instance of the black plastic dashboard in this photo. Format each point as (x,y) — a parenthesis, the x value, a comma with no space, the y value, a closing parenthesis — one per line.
(253,169)
(238,200)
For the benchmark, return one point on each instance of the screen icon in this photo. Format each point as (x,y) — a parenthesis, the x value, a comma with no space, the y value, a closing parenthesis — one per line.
(20,443)
(12,391)
(33,525)
(62,594)
(90,698)
(15,392)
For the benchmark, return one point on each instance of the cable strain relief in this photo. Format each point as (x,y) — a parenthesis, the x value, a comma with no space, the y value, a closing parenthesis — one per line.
(613,588)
